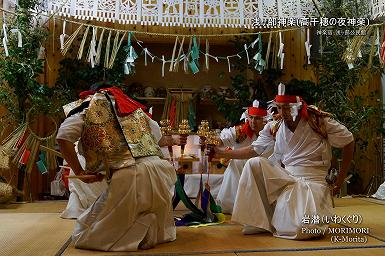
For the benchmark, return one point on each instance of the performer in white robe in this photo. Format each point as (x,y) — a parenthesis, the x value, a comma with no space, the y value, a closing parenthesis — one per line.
(292,202)
(238,137)
(135,211)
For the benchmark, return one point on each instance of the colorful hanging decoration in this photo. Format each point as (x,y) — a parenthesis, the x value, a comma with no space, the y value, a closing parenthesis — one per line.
(42,163)
(194,56)
(259,62)
(129,65)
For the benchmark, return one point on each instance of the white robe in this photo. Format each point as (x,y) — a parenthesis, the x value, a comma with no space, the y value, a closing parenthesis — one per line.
(82,196)
(262,144)
(380,193)
(280,200)
(135,211)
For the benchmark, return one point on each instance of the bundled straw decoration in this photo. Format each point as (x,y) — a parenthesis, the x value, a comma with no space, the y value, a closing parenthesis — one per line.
(352,51)
(70,40)
(116,48)
(23,146)
(4,159)
(6,193)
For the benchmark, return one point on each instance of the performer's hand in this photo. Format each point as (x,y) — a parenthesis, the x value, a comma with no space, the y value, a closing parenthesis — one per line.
(210,152)
(91,178)
(202,140)
(220,152)
(166,140)
(337,185)
(180,140)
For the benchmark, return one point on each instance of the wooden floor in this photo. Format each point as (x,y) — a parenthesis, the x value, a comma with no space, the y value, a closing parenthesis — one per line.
(36,229)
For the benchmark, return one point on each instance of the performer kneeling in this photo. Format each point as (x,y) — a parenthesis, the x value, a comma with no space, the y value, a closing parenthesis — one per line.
(118,138)
(238,137)
(284,201)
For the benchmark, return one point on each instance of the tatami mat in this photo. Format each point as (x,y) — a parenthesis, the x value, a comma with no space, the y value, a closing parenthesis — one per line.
(373,215)
(227,239)
(40,233)
(55,206)
(347,252)
(33,233)
(372,200)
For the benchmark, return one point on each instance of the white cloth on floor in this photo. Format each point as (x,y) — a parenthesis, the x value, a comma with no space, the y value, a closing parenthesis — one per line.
(82,196)
(277,199)
(192,181)
(262,144)
(380,194)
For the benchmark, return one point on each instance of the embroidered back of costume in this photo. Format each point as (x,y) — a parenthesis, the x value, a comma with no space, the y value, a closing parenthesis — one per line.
(118,139)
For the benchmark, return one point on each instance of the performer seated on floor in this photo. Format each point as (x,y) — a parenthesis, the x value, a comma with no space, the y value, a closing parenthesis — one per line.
(83,195)
(117,137)
(239,136)
(284,201)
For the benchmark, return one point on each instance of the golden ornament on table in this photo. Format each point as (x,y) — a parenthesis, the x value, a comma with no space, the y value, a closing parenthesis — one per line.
(203,131)
(166,129)
(183,131)
(212,140)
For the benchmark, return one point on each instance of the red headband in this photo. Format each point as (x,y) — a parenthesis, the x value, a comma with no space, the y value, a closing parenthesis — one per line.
(253,111)
(287,99)
(292,99)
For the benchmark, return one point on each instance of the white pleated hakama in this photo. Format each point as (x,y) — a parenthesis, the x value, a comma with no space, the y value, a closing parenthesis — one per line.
(134,212)
(263,144)
(282,201)
(282,198)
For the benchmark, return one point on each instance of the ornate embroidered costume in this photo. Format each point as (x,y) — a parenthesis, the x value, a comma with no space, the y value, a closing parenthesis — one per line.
(106,134)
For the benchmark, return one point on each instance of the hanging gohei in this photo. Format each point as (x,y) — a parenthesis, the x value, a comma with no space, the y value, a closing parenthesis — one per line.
(308,46)
(259,62)
(281,54)
(129,63)
(193,64)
